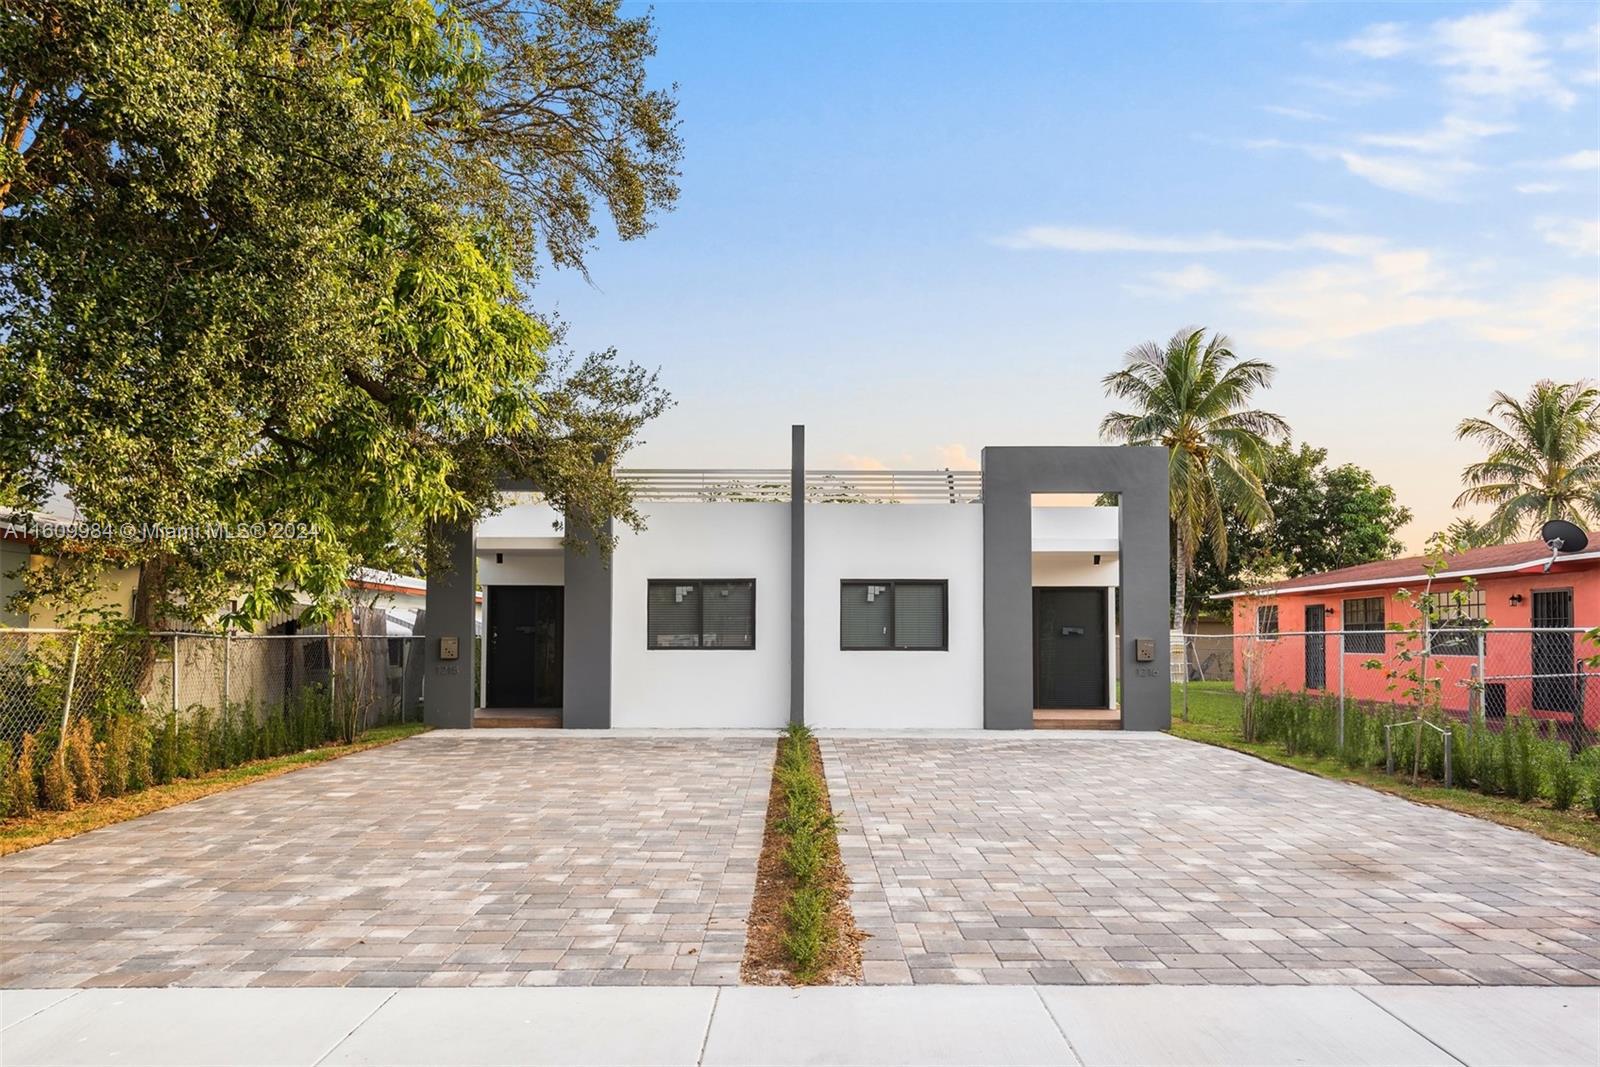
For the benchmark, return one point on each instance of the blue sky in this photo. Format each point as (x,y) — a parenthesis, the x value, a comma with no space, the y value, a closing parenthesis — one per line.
(920,229)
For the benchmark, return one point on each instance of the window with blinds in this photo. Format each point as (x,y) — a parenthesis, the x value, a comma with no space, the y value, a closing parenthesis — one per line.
(701,613)
(894,615)
(1360,617)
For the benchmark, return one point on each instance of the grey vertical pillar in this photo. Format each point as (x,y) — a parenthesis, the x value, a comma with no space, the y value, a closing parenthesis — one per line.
(797,575)
(1010,478)
(586,636)
(450,607)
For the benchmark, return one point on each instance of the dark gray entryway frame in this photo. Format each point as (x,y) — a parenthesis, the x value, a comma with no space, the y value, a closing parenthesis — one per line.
(586,624)
(1011,475)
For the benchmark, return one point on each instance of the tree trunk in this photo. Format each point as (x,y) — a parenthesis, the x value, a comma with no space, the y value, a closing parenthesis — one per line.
(1181,582)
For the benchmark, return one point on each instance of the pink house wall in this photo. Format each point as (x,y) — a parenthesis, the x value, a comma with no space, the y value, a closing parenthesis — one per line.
(1281,663)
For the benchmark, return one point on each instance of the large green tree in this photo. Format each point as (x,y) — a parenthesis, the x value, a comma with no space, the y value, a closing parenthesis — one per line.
(1323,518)
(271,262)
(1542,461)
(1192,396)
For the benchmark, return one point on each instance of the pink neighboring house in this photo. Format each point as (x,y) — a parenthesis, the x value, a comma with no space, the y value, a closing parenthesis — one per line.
(1524,672)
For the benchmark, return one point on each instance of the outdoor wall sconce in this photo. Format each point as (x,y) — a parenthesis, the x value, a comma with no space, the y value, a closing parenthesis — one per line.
(1516,598)
(1097,559)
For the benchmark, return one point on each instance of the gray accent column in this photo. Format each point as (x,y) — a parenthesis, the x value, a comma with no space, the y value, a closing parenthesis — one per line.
(449,609)
(586,637)
(797,575)
(1010,478)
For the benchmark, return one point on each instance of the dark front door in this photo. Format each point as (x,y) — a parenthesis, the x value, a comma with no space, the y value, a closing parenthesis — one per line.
(524,646)
(1316,647)
(1554,684)
(1069,642)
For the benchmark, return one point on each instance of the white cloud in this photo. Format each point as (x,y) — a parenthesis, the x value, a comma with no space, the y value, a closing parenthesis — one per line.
(1381,40)
(1539,188)
(1355,90)
(1088,239)
(1451,135)
(956,457)
(852,462)
(1487,54)
(1337,302)
(1495,54)
(1195,278)
(1581,237)
(1559,318)
(1588,159)
(1091,239)
(1331,212)
(1433,178)
(1296,113)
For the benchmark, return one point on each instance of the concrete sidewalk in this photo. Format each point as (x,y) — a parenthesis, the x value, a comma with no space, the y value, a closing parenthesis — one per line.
(861,1025)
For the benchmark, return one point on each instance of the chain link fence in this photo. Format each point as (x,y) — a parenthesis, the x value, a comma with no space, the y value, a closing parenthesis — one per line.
(49,676)
(1495,676)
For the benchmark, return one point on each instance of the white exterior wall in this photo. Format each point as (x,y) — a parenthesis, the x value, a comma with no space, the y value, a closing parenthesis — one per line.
(894,689)
(708,687)
(521,568)
(521,524)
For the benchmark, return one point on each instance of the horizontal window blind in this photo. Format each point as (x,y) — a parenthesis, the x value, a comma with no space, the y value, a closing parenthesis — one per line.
(918,615)
(730,614)
(700,613)
(891,614)
(864,615)
(673,615)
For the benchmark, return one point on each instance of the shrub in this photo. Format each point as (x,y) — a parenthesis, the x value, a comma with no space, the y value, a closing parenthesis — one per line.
(164,754)
(55,787)
(83,761)
(1506,757)
(807,935)
(1594,793)
(1525,760)
(116,763)
(25,784)
(804,856)
(141,758)
(1562,774)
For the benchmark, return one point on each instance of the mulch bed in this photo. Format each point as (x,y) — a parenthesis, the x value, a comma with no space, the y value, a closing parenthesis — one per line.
(766,961)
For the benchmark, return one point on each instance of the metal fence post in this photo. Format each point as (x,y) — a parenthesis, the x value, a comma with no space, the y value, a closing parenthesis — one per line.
(227,666)
(1186,679)
(1341,686)
(1388,748)
(1483,639)
(405,669)
(1447,775)
(174,674)
(66,704)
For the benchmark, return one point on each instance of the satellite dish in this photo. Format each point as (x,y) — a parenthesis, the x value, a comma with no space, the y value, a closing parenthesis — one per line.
(1562,536)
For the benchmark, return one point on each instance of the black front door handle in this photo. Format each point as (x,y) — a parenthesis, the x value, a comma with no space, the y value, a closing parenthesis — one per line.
(1072,631)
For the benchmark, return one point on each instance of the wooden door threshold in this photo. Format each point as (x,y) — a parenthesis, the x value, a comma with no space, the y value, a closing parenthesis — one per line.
(516,719)
(1077,719)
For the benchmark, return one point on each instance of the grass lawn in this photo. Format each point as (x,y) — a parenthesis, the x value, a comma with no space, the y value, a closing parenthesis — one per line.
(1214,711)
(47,826)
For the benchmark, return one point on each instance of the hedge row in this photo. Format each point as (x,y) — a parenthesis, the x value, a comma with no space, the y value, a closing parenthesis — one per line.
(117,748)
(1512,760)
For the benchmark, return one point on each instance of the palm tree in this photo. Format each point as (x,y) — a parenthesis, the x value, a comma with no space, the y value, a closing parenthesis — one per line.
(1191,396)
(1543,461)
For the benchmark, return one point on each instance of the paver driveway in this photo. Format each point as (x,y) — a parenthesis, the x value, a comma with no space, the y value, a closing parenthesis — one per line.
(1117,858)
(447,859)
